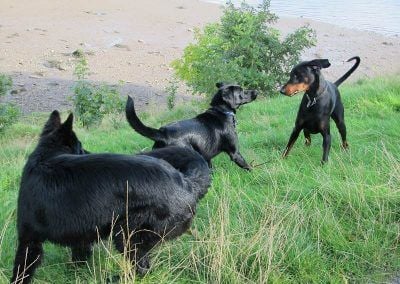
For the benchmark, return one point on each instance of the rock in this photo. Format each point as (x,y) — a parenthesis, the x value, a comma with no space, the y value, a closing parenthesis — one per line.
(78,53)
(37,74)
(57,64)
(17,91)
(123,46)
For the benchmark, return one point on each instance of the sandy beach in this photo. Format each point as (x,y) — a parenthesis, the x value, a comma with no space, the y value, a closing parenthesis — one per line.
(135,41)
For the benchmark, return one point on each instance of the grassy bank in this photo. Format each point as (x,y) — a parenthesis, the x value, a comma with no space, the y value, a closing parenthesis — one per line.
(287,221)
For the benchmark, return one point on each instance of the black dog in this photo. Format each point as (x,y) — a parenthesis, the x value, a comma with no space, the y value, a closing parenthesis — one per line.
(320,102)
(209,133)
(70,198)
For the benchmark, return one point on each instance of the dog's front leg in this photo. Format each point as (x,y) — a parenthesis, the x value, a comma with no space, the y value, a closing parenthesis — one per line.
(292,140)
(81,252)
(239,160)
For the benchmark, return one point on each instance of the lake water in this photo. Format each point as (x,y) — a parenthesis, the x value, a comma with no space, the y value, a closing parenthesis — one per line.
(381,16)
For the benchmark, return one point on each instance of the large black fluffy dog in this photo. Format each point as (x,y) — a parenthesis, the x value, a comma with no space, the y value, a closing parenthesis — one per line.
(209,133)
(70,198)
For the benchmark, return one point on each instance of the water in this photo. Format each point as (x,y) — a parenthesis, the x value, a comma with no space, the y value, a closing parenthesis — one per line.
(381,16)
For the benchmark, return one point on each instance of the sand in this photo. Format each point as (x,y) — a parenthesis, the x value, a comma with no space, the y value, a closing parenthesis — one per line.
(135,42)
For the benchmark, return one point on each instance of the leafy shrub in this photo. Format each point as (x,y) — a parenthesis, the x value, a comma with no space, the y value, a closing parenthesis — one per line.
(242,48)
(9,114)
(92,103)
(5,84)
(172,90)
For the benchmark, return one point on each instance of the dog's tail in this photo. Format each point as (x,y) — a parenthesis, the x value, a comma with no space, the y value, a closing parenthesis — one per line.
(135,123)
(190,163)
(348,73)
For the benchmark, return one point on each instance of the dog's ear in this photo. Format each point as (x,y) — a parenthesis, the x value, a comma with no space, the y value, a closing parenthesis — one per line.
(67,125)
(220,85)
(319,63)
(228,96)
(52,123)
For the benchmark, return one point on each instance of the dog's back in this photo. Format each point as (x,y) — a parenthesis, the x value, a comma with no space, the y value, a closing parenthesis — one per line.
(190,163)
(71,191)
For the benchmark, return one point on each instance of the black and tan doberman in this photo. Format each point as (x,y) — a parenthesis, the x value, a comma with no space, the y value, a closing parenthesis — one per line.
(320,102)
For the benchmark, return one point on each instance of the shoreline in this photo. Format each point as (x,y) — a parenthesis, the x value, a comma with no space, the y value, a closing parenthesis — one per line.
(135,43)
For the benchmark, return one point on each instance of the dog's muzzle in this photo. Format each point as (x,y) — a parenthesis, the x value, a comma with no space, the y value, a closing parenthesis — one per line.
(282,90)
(253,94)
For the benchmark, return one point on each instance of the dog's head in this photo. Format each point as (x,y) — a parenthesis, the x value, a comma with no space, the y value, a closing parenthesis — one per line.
(303,76)
(59,136)
(232,96)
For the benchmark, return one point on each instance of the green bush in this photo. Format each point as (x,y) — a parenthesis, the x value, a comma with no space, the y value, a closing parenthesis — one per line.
(242,48)
(91,103)
(5,84)
(9,114)
(172,90)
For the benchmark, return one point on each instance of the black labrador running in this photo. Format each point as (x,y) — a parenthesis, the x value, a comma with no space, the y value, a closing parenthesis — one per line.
(70,198)
(320,102)
(209,133)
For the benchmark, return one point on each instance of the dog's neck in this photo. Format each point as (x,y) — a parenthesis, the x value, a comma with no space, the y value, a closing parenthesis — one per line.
(316,90)
(225,110)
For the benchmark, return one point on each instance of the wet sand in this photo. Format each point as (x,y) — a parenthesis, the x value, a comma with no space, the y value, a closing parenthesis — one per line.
(135,41)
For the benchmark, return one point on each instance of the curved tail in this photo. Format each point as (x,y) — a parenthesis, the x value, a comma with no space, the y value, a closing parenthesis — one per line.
(135,123)
(190,163)
(348,73)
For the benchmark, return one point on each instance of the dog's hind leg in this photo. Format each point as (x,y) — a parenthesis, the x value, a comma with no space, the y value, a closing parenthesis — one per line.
(307,136)
(81,252)
(326,145)
(338,117)
(136,247)
(27,259)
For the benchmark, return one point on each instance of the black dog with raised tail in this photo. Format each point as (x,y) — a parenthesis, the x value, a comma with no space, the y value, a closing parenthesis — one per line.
(209,133)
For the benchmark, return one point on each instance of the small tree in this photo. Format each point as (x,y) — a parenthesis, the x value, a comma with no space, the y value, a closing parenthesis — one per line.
(92,103)
(9,112)
(242,48)
(5,84)
(172,90)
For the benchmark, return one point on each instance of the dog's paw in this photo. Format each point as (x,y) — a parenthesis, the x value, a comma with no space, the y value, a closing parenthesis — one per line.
(345,145)
(324,162)
(112,279)
(143,266)
(307,142)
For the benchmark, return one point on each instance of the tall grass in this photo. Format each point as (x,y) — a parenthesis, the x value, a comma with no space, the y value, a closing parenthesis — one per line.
(287,221)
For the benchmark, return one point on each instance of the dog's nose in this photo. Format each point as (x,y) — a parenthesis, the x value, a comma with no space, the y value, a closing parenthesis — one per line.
(282,90)
(254,93)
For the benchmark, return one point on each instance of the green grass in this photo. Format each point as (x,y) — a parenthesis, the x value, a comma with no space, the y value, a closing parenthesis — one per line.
(287,221)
